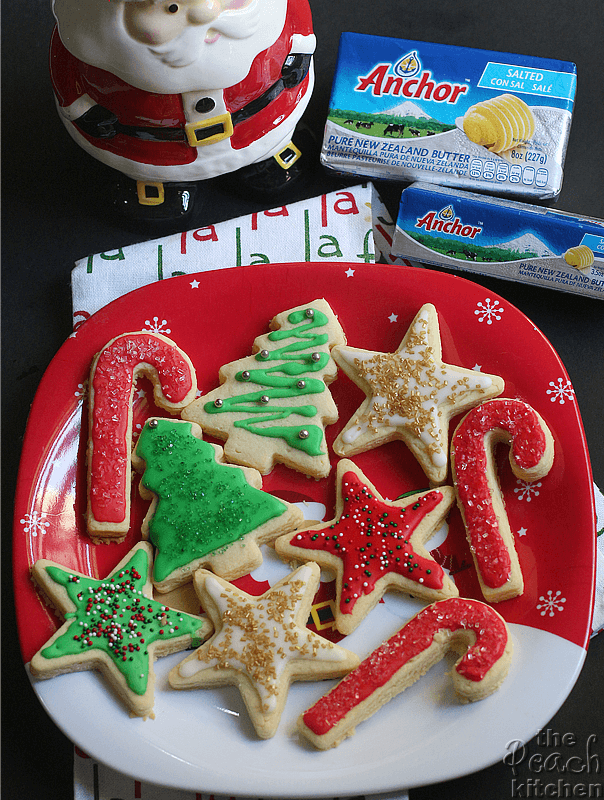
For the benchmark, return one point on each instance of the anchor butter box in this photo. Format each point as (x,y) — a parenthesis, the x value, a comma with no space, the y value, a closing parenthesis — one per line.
(455,116)
(502,238)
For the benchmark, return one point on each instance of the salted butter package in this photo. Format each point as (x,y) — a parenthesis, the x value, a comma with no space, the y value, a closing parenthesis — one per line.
(501,238)
(474,119)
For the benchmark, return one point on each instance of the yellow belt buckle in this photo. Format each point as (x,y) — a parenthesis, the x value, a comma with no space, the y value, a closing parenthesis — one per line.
(287,156)
(209,130)
(326,619)
(150,193)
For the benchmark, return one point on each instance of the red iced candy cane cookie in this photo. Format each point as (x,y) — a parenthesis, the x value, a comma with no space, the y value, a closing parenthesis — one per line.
(479,496)
(469,626)
(113,375)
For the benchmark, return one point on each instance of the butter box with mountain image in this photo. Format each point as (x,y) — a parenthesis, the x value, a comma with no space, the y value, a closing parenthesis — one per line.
(456,116)
(503,238)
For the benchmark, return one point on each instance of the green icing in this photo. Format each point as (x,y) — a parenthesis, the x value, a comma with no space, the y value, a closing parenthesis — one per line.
(311,444)
(202,506)
(281,381)
(113,615)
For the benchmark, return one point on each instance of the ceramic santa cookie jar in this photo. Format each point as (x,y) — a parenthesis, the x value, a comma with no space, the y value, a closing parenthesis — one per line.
(173,92)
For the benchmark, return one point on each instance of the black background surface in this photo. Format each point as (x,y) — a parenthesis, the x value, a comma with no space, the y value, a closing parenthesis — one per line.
(55,211)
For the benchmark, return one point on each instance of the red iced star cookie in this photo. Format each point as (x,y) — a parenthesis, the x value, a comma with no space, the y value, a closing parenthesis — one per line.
(373,545)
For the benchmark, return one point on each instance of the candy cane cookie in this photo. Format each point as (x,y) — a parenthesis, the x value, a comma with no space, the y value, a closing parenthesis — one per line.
(113,375)
(467,626)
(479,495)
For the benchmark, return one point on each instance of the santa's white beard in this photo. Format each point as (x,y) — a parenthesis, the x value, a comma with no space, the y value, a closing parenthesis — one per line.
(94,32)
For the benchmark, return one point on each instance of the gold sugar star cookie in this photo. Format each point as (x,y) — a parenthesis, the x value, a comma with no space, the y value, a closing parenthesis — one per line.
(411,395)
(261,644)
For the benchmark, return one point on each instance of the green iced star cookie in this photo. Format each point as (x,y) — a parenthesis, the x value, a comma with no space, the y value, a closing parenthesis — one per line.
(113,625)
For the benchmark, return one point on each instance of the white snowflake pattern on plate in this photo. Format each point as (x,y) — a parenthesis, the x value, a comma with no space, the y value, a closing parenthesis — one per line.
(82,391)
(35,523)
(489,311)
(550,603)
(525,490)
(560,391)
(156,325)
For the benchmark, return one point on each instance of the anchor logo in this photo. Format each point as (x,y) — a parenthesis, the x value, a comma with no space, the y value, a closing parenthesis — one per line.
(408,65)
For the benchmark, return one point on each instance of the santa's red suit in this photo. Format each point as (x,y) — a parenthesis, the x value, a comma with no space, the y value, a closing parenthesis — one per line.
(195,135)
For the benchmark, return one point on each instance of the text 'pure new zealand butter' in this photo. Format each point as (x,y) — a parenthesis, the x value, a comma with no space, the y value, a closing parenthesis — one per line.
(459,117)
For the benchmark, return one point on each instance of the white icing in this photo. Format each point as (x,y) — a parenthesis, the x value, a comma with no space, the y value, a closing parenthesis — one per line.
(352,434)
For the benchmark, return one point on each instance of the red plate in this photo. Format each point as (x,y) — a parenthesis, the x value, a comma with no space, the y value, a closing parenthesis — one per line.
(215,317)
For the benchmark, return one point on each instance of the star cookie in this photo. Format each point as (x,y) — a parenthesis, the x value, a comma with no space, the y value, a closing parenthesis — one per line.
(373,545)
(113,625)
(411,395)
(261,644)
(204,512)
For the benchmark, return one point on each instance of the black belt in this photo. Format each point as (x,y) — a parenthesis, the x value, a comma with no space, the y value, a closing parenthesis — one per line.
(211,129)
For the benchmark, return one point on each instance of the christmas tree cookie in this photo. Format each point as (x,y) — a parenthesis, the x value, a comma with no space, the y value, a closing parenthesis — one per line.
(273,406)
(373,545)
(204,512)
(411,395)
(261,644)
(113,625)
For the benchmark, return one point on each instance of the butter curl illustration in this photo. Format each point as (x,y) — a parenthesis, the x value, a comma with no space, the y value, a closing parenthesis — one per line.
(500,123)
(581,256)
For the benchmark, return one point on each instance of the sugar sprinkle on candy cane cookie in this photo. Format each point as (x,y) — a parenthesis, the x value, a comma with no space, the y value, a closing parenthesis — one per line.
(479,495)
(411,395)
(113,625)
(261,644)
(273,406)
(113,375)
(374,545)
(467,626)
(204,512)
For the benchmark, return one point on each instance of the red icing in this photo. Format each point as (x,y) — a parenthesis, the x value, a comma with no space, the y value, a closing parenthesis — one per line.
(373,538)
(417,635)
(528,444)
(112,384)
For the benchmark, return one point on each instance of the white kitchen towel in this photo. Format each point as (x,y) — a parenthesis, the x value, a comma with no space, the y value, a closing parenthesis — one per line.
(94,781)
(337,227)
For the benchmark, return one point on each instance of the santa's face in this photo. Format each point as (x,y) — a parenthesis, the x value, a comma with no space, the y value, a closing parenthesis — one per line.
(159,21)
(176,31)
(170,46)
